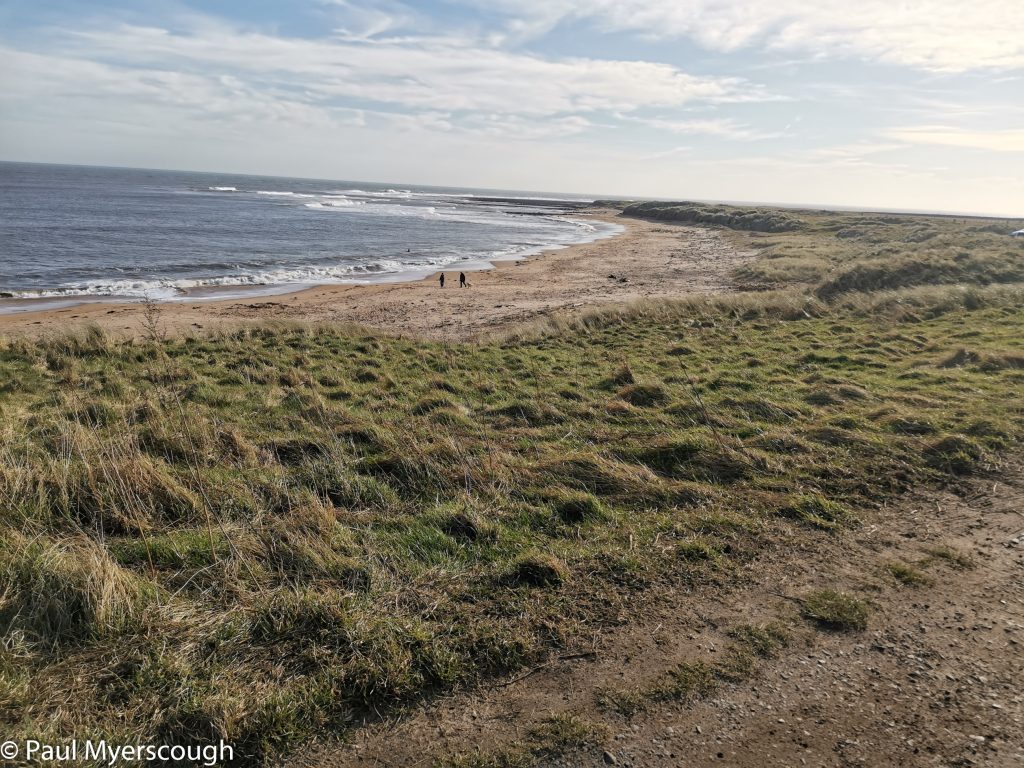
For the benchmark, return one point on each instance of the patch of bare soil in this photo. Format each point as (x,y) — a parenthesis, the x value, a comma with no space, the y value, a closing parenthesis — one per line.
(934,680)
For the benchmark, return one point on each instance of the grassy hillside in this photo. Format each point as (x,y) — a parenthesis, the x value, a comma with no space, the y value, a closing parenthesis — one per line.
(256,535)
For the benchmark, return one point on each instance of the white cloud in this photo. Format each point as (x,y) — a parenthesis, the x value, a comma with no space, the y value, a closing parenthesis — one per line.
(366,21)
(515,127)
(447,74)
(939,35)
(724,128)
(446,84)
(856,151)
(995,140)
(61,84)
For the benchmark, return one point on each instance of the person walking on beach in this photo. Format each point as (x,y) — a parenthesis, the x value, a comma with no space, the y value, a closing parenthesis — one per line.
(462,280)
(441,279)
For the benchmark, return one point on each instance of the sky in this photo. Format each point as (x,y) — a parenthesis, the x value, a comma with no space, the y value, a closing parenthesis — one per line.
(908,104)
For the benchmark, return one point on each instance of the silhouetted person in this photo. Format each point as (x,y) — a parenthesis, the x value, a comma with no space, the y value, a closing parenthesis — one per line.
(462,279)
(441,279)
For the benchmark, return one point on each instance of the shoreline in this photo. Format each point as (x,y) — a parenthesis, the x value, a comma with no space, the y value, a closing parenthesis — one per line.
(212,292)
(644,260)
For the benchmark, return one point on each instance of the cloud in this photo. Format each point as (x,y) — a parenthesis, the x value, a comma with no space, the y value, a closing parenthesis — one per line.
(364,22)
(64,85)
(515,127)
(720,127)
(995,141)
(447,74)
(856,151)
(937,35)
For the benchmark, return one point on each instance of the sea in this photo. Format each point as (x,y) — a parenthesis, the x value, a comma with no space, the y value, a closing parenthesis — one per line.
(70,234)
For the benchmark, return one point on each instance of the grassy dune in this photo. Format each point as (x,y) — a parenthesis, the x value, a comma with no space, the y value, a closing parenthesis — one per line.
(831,254)
(258,535)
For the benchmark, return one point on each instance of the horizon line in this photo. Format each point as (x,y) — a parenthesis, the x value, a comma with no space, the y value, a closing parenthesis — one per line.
(797,206)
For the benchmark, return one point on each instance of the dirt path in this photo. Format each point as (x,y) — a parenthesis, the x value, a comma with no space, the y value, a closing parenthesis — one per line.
(648,260)
(935,679)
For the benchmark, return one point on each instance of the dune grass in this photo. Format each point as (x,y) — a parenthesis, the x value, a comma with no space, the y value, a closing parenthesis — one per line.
(832,254)
(258,535)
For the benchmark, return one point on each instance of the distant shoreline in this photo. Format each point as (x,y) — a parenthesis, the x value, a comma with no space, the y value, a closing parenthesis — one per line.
(644,260)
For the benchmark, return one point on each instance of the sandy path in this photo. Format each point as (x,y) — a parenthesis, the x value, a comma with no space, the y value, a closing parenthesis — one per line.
(933,681)
(655,260)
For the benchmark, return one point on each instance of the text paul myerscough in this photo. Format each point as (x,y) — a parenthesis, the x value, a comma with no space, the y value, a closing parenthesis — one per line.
(105,752)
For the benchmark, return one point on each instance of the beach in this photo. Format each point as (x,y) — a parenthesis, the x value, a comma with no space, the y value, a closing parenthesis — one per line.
(647,260)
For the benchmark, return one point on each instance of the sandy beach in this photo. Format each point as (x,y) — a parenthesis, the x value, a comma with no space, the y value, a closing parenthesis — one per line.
(646,260)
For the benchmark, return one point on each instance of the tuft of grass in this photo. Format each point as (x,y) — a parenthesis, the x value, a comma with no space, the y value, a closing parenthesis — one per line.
(468,526)
(695,680)
(62,592)
(956,454)
(577,506)
(764,640)
(834,610)
(816,510)
(622,377)
(644,395)
(695,458)
(552,737)
(698,549)
(953,557)
(907,575)
(528,412)
(186,549)
(539,570)
(687,682)
(558,734)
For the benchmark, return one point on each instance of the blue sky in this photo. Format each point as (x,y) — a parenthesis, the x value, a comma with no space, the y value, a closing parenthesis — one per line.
(891,103)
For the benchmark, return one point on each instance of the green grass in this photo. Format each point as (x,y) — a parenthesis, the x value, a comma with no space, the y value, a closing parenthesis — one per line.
(836,610)
(266,533)
(908,575)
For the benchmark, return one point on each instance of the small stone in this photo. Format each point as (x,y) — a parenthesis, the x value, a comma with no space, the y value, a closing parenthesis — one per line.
(609,758)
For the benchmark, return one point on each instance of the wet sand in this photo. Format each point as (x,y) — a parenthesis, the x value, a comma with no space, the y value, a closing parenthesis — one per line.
(647,260)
